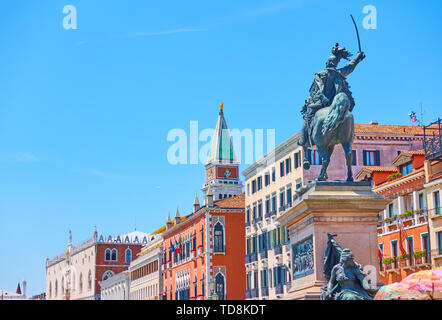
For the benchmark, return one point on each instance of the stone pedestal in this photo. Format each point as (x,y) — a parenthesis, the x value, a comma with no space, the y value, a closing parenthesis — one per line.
(348,209)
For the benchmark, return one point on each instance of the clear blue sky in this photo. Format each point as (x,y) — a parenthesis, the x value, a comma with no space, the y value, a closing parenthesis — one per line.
(84,114)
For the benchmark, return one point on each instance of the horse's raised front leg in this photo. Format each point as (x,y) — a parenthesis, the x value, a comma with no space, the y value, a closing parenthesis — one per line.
(348,157)
(323,155)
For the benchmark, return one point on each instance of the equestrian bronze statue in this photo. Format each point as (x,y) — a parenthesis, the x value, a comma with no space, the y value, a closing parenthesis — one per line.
(327,113)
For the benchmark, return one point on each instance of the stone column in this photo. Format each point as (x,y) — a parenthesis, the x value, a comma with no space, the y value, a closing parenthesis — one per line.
(415,206)
(400,205)
(415,200)
(347,209)
(384,225)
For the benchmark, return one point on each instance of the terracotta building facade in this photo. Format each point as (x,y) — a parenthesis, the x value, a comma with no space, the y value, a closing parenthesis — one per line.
(206,248)
(403,233)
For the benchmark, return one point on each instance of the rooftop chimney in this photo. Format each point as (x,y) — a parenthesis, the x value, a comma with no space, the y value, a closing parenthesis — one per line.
(374,122)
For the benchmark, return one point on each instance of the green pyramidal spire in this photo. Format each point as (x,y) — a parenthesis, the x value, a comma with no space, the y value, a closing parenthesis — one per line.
(221,149)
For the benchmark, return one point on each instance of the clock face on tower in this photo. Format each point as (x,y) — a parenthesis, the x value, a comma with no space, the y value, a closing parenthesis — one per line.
(227,173)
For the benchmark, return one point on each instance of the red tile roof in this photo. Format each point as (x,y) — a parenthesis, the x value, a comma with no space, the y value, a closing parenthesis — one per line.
(416,152)
(391,128)
(238,201)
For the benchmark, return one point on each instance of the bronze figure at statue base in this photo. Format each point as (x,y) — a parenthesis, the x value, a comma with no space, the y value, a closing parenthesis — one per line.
(320,267)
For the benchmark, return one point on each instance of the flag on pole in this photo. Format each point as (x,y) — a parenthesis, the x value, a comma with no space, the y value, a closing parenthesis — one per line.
(177,247)
(402,236)
(380,253)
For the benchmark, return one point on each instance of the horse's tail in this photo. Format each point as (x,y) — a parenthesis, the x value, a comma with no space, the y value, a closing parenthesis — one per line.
(335,116)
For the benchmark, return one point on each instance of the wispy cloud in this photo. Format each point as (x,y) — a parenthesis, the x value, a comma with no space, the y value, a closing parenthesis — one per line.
(18,157)
(238,16)
(141,34)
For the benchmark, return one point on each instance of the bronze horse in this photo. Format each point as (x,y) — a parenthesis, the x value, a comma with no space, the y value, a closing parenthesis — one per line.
(331,126)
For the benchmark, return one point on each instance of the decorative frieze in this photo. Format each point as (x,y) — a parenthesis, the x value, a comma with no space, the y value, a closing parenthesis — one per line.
(302,257)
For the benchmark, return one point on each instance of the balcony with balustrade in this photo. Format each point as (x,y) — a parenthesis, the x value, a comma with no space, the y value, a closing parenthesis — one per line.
(251,257)
(264,292)
(417,261)
(410,218)
(263,254)
(277,249)
(254,293)
(279,289)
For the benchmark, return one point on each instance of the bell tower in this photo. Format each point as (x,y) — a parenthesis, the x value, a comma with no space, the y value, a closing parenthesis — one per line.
(222,167)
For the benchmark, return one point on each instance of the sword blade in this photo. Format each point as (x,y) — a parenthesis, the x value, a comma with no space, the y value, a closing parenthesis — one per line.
(357,32)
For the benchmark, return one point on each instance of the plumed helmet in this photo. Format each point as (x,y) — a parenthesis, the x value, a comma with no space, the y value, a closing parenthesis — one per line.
(337,55)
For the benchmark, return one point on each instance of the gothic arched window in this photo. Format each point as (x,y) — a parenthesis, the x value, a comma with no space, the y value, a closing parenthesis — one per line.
(73,281)
(107,255)
(219,238)
(128,255)
(114,255)
(56,288)
(195,287)
(50,289)
(80,284)
(219,281)
(89,280)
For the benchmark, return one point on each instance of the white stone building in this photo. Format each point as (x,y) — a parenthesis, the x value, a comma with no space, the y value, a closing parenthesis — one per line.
(116,287)
(146,279)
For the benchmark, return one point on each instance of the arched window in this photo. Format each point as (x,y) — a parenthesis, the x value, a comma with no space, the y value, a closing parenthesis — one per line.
(114,255)
(107,255)
(56,288)
(219,238)
(219,281)
(89,280)
(50,289)
(107,275)
(73,281)
(80,284)
(128,255)
(62,285)
(202,286)
(195,287)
